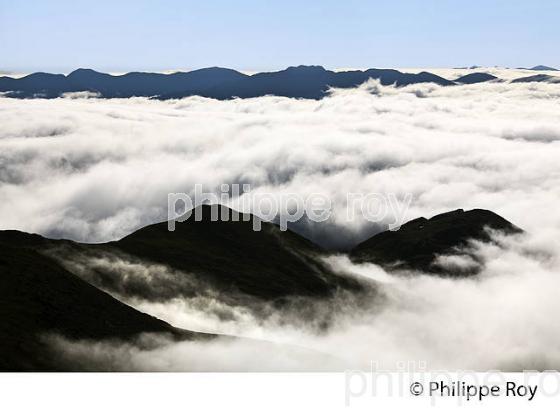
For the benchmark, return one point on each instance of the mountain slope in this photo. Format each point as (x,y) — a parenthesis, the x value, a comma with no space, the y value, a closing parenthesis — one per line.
(543,68)
(417,243)
(38,297)
(475,78)
(538,78)
(232,257)
(197,257)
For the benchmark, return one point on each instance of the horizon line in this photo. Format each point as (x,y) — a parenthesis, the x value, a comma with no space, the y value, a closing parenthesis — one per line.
(23,73)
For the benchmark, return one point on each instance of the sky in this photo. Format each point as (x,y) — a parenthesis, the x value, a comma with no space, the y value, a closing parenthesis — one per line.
(251,35)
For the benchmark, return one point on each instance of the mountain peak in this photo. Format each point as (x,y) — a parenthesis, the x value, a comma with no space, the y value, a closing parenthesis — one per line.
(543,68)
(229,254)
(418,243)
(307,68)
(538,78)
(474,78)
(85,73)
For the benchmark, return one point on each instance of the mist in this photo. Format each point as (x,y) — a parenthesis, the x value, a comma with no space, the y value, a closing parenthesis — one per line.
(95,170)
(501,319)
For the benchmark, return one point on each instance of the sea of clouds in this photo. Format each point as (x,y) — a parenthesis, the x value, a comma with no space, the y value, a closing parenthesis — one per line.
(95,170)
(504,319)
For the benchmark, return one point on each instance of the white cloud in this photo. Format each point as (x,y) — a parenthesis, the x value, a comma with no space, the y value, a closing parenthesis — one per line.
(501,319)
(94,170)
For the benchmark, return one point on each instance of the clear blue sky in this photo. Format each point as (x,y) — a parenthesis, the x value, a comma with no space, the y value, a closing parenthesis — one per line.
(62,35)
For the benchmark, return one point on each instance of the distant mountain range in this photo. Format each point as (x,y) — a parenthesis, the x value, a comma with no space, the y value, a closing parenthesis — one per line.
(312,82)
(543,68)
(474,78)
(220,83)
(53,287)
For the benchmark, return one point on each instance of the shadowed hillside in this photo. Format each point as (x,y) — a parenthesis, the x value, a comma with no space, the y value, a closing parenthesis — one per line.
(225,256)
(539,78)
(230,255)
(44,291)
(38,297)
(475,78)
(416,244)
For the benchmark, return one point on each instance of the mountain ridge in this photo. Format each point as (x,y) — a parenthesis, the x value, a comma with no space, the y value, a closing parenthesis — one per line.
(43,293)
(475,78)
(543,68)
(417,244)
(39,298)
(538,78)
(311,82)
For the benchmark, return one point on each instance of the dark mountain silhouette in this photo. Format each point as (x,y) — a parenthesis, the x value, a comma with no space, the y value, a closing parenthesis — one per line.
(219,83)
(269,265)
(113,86)
(150,84)
(417,243)
(231,256)
(311,82)
(543,68)
(475,78)
(37,84)
(40,293)
(539,78)
(227,256)
(39,297)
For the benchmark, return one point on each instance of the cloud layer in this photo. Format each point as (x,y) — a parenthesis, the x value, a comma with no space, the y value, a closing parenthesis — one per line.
(502,319)
(95,170)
